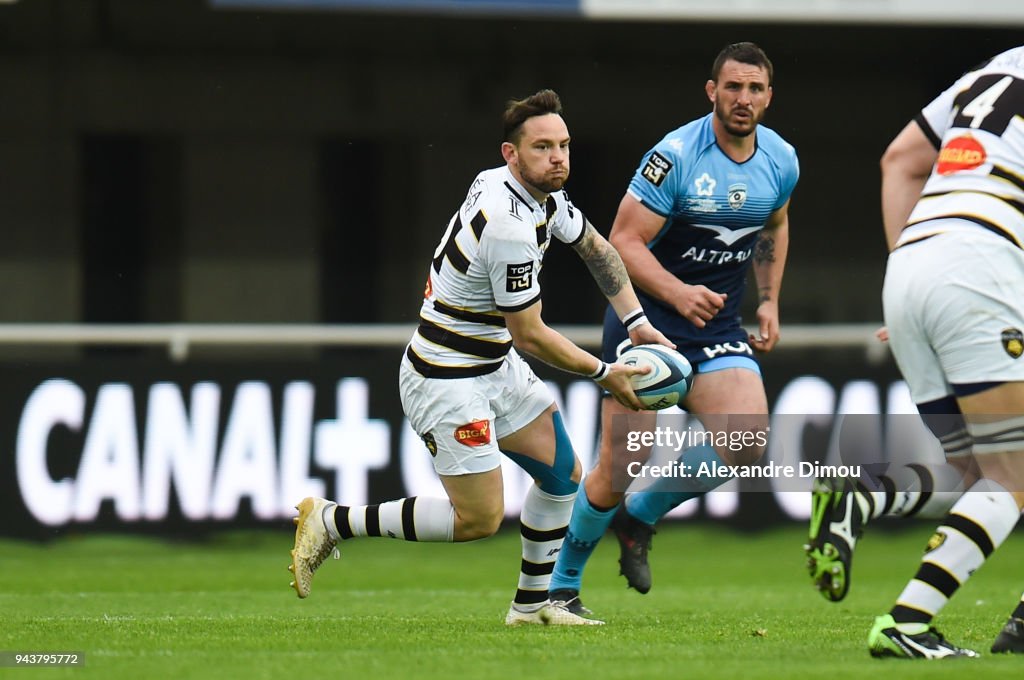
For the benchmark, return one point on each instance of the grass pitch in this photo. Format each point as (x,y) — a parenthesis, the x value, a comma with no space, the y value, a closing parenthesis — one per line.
(725,604)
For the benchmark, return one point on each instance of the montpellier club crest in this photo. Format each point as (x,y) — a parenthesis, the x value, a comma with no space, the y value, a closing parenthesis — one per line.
(737,196)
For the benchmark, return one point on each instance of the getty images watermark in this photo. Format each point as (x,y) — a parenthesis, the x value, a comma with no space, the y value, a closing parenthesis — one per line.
(781,452)
(706,466)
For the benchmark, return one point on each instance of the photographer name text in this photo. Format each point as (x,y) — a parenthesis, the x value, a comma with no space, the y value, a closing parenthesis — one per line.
(678,470)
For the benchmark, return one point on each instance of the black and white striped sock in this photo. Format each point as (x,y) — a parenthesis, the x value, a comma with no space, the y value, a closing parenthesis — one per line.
(977,524)
(542,526)
(1018,613)
(416,518)
(927,491)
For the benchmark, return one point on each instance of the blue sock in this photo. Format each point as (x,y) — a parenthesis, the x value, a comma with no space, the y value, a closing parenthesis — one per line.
(667,492)
(586,528)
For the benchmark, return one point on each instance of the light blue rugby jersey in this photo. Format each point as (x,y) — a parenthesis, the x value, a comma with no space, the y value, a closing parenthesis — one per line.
(715,208)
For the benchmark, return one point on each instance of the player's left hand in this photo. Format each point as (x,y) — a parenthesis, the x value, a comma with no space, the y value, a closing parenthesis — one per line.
(768,327)
(646,334)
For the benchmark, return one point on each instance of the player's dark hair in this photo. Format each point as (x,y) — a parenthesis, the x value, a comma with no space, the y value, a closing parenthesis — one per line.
(517,111)
(745,53)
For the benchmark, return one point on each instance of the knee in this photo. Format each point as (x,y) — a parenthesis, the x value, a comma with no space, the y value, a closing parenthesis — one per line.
(740,452)
(744,456)
(477,523)
(748,439)
(562,476)
(753,454)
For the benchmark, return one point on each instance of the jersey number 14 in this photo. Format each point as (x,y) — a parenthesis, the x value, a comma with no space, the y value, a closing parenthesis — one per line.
(990,103)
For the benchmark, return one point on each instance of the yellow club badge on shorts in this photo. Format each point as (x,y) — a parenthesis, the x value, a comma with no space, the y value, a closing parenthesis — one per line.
(428,439)
(1013,342)
(937,539)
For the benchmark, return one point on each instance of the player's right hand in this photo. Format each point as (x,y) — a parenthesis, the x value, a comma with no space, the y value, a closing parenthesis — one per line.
(647,334)
(620,386)
(699,304)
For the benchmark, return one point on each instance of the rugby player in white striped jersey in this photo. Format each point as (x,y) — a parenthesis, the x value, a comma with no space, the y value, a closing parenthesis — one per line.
(953,208)
(465,389)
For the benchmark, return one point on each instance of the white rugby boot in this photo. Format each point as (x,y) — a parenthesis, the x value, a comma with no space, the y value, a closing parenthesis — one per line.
(551,614)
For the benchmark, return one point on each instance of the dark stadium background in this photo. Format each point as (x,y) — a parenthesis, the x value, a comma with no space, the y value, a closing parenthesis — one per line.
(167,162)
(164,161)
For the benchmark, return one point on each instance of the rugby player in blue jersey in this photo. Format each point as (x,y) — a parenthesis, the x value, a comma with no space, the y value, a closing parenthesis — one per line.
(708,203)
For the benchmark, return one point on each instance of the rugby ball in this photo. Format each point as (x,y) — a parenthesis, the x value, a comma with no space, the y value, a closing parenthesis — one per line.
(669,379)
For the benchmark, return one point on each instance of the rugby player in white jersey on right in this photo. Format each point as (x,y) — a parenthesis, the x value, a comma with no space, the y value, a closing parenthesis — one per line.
(466,391)
(953,207)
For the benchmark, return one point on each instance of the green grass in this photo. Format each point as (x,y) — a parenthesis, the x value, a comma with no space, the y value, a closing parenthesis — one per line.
(725,604)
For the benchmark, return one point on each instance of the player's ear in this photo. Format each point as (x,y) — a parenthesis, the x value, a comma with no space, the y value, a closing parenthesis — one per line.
(508,151)
(709,87)
(768,101)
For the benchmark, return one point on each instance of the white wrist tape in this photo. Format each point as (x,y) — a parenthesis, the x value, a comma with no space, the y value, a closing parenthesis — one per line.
(634,319)
(602,371)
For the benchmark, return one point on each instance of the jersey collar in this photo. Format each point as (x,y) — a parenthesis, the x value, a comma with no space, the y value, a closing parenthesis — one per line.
(519,191)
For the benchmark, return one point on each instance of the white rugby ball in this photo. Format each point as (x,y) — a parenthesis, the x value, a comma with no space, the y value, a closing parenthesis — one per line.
(669,379)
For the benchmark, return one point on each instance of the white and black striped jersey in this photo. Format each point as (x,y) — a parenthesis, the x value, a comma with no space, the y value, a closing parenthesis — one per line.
(488,262)
(978,180)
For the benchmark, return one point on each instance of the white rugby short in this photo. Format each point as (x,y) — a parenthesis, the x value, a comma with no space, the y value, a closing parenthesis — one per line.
(462,419)
(954,304)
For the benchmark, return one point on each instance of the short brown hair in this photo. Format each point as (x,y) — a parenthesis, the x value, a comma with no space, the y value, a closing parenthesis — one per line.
(745,53)
(517,111)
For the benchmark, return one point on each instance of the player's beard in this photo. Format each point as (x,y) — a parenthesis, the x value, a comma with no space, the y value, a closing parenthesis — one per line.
(723,118)
(543,182)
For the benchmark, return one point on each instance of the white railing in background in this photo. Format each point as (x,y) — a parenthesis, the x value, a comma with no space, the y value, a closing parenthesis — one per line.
(181,338)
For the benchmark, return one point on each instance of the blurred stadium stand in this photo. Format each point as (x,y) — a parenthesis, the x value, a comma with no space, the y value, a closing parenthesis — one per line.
(201,176)
(186,162)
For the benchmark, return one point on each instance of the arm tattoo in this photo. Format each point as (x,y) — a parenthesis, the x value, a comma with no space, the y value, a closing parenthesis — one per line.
(764,250)
(764,294)
(603,261)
